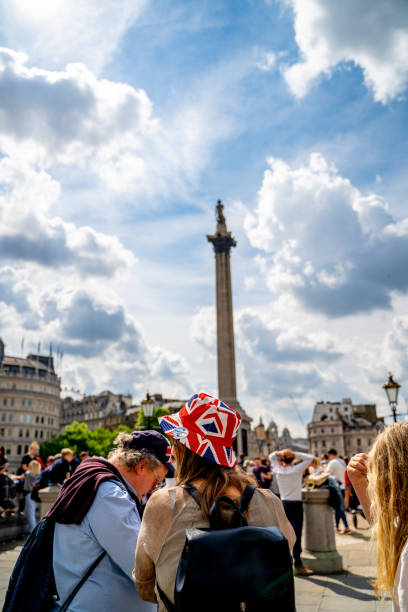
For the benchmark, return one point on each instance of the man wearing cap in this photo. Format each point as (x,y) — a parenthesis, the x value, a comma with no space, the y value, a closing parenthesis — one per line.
(98,510)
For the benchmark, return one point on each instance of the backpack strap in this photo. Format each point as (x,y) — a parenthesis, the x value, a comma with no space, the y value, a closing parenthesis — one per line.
(169,606)
(246,497)
(84,578)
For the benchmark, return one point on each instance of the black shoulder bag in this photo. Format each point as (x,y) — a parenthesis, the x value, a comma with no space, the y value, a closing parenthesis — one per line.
(231,569)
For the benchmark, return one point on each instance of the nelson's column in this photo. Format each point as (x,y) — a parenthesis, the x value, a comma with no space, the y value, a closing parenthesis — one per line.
(222,242)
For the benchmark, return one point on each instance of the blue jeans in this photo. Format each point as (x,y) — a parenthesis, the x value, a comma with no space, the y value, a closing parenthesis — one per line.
(294,513)
(31,505)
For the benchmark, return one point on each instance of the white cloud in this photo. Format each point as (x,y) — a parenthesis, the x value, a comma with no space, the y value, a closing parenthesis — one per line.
(335,249)
(371,34)
(29,233)
(55,32)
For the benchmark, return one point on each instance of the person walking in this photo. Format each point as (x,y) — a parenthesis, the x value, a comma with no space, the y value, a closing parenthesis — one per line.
(337,469)
(380,480)
(203,433)
(288,466)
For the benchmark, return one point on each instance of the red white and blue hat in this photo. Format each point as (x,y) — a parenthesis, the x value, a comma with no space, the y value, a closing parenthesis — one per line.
(206,426)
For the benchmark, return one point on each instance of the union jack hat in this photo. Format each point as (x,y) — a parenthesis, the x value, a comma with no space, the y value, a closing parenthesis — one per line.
(206,426)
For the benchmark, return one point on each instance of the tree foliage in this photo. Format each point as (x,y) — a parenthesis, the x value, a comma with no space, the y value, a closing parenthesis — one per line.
(158,411)
(79,438)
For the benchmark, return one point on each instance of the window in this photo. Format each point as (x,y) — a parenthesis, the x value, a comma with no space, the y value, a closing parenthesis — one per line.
(10,432)
(3,416)
(23,402)
(20,433)
(2,430)
(27,433)
(26,448)
(13,386)
(19,449)
(12,401)
(41,434)
(324,443)
(36,433)
(5,401)
(42,419)
(37,419)
(369,441)
(21,418)
(331,429)
(322,430)
(11,416)
(358,441)
(28,418)
(29,403)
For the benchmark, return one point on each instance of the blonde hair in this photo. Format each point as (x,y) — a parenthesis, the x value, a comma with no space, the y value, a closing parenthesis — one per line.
(35,467)
(387,490)
(65,452)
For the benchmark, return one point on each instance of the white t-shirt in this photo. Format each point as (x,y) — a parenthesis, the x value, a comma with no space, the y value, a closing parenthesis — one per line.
(289,477)
(400,594)
(337,467)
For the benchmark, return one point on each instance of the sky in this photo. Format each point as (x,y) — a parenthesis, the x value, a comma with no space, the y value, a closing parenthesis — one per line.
(122,122)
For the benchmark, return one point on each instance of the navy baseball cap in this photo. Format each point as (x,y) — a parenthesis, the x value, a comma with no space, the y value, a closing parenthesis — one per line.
(154,443)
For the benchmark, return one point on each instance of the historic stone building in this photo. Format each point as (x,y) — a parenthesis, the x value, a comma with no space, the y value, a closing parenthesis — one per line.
(106,409)
(29,403)
(346,427)
(269,440)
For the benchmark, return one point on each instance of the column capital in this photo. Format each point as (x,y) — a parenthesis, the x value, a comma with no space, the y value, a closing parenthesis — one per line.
(222,240)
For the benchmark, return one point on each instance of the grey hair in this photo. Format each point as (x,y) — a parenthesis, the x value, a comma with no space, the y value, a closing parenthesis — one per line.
(130,457)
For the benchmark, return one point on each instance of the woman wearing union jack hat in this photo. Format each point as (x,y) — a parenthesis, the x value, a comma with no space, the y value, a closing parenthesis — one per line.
(202,435)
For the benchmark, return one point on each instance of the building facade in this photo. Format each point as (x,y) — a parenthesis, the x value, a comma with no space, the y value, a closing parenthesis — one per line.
(106,409)
(29,403)
(347,427)
(269,440)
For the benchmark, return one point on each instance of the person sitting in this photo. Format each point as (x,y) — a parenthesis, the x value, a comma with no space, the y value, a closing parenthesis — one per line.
(60,470)
(380,480)
(206,461)
(3,461)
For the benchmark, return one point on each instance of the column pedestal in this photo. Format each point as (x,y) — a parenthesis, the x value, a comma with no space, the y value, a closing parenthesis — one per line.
(320,554)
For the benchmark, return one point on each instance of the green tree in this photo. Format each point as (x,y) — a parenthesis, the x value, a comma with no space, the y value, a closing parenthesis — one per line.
(158,411)
(79,438)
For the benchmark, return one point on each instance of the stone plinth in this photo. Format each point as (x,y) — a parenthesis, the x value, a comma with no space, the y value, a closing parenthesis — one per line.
(48,498)
(320,552)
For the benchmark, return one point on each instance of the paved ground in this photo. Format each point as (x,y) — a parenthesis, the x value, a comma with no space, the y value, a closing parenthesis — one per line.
(350,591)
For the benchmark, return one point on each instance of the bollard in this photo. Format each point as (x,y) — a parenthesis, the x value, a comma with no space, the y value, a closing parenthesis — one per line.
(48,497)
(320,553)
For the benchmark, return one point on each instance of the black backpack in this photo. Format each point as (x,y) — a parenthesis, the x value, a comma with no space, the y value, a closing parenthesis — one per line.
(32,585)
(235,568)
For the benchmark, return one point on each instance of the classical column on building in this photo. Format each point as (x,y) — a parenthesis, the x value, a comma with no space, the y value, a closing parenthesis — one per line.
(222,242)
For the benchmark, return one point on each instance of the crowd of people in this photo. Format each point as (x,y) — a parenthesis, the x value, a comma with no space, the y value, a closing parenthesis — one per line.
(124,520)
(19,491)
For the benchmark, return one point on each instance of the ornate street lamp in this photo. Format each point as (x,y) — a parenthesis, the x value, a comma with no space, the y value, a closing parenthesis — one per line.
(148,412)
(391,388)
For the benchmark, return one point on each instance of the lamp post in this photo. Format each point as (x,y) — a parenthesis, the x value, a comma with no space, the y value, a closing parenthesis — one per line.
(391,388)
(148,412)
